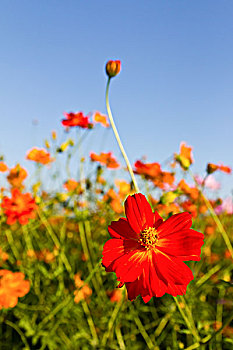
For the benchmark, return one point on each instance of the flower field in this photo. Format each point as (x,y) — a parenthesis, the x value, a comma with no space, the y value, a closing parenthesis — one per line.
(122,256)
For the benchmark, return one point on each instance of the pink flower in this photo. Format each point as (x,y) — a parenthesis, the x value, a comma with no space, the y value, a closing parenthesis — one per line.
(226,206)
(210,182)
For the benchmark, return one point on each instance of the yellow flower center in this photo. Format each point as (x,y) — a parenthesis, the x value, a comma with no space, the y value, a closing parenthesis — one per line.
(148,238)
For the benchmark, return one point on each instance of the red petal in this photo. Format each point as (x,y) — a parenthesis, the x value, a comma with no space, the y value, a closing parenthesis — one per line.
(133,289)
(138,212)
(172,269)
(124,257)
(121,229)
(149,284)
(175,223)
(147,298)
(158,220)
(184,244)
(175,290)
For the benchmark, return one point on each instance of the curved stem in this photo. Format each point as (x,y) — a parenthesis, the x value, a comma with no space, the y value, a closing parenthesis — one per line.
(118,137)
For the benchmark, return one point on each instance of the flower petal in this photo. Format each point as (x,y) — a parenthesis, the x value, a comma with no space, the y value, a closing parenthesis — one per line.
(149,284)
(121,229)
(185,244)
(138,212)
(175,289)
(158,220)
(125,257)
(175,223)
(172,269)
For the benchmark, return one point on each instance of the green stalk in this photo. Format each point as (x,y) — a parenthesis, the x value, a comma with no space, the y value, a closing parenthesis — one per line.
(118,137)
(216,219)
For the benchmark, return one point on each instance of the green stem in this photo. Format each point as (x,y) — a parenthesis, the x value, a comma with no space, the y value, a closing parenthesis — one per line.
(55,241)
(90,322)
(216,219)
(12,244)
(190,327)
(118,137)
(18,330)
(112,320)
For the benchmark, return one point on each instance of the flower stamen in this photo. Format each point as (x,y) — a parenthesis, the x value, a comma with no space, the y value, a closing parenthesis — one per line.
(148,238)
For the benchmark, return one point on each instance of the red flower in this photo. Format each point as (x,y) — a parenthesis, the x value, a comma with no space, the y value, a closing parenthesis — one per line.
(147,253)
(19,207)
(77,119)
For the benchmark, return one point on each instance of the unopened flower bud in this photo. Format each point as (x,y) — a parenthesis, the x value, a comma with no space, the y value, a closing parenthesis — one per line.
(211,168)
(113,68)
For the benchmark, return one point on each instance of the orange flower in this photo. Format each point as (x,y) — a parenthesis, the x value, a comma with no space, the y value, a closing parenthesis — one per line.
(45,255)
(101,119)
(114,200)
(116,295)
(3,167)
(149,170)
(83,290)
(39,156)
(211,168)
(16,176)
(19,207)
(185,158)
(165,209)
(191,191)
(225,169)
(124,187)
(3,255)
(73,186)
(113,68)
(190,207)
(164,178)
(153,172)
(105,159)
(12,286)
(210,229)
(77,119)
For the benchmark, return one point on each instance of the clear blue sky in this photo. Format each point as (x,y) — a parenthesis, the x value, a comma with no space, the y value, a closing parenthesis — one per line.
(176,82)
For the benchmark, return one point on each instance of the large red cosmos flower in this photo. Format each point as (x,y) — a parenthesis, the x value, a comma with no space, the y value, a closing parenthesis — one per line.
(147,253)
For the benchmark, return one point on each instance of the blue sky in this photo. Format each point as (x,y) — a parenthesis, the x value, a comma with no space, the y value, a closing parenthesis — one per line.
(176,82)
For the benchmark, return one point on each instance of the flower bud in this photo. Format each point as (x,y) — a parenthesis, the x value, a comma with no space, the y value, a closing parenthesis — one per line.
(211,168)
(113,68)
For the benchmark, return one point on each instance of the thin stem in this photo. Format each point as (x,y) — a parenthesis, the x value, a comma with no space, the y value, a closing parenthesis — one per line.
(55,241)
(118,137)
(18,330)
(190,327)
(90,322)
(12,244)
(216,219)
